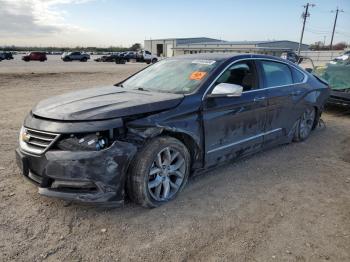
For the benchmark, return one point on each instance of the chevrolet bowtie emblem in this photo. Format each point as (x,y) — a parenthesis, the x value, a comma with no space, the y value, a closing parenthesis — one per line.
(25,137)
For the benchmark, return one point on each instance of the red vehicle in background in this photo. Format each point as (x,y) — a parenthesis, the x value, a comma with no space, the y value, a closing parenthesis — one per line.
(35,56)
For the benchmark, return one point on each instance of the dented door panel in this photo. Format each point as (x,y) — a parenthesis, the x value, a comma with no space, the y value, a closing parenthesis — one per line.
(234,126)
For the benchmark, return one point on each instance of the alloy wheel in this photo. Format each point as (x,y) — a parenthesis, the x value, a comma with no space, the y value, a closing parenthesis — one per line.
(307,122)
(166,174)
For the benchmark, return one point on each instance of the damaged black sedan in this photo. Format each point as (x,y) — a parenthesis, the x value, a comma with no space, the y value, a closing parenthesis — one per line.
(144,136)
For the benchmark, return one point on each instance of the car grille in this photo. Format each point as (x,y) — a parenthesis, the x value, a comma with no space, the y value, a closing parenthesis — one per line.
(37,142)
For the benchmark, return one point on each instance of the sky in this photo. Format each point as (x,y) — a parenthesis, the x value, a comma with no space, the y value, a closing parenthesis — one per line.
(106,23)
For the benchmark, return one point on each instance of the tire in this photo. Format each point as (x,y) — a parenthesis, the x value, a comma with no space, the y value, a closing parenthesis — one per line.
(83,59)
(154,60)
(153,190)
(305,125)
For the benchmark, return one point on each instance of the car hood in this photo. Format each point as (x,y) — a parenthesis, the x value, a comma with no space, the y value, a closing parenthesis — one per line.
(104,103)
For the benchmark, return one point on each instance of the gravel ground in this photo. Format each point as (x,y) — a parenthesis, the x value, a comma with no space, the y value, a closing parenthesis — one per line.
(290,203)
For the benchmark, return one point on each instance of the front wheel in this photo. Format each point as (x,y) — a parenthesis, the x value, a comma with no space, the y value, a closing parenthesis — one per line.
(305,125)
(159,172)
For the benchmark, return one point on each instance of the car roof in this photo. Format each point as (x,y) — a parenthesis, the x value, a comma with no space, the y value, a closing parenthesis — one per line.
(224,57)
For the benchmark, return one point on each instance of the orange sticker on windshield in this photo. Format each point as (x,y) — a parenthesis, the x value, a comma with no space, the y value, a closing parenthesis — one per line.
(197,75)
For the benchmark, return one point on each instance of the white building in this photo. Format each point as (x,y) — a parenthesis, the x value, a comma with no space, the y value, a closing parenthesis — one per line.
(166,47)
(179,46)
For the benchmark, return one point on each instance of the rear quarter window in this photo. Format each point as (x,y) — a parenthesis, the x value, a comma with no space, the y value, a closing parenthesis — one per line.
(276,74)
(298,77)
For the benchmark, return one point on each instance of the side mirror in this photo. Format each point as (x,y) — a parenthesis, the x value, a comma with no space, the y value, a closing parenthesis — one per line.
(308,70)
(225,89)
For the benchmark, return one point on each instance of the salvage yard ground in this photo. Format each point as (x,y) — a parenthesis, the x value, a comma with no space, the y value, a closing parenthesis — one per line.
(290,203)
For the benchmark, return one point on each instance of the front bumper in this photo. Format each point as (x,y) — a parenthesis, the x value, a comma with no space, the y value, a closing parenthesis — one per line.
(95,177)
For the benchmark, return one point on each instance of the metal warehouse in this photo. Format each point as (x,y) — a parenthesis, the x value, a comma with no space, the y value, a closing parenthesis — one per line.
(178,46)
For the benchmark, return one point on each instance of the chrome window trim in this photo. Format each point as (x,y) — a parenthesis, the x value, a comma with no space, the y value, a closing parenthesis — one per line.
(255,90)
(243,140)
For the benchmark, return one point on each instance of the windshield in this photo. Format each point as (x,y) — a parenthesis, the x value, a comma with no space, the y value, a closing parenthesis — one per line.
(172,76)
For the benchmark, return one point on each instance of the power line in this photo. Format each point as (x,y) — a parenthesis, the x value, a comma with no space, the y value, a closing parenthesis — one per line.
(316,31)
(335,23)
(304,15)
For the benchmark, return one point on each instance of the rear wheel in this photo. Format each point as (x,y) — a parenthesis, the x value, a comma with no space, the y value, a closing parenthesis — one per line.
(83,59)
(159,172)
(154,60)
(305,125)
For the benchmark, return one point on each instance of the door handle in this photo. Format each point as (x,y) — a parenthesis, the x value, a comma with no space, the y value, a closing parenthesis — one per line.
(258,99)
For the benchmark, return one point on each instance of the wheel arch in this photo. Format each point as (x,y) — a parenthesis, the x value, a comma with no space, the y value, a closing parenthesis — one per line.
(190,143)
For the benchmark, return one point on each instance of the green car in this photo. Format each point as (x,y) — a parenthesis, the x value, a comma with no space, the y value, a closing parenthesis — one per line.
(337,74)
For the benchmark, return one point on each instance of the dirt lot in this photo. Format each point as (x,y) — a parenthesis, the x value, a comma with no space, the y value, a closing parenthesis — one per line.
(290,203)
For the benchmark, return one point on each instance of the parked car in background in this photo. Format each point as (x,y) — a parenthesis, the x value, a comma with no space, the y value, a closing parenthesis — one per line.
(6,56)
(148,57)
(344,56)
(107,58)
(130,55)
(35,56)
(291,56)
(146,134)
(75,56)
(337,74)
(116,57)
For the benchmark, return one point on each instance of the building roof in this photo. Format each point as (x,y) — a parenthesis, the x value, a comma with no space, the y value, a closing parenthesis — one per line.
(185,38)
(232,43)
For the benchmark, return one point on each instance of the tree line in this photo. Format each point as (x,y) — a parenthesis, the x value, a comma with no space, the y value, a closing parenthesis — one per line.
(134,47)
(318,46)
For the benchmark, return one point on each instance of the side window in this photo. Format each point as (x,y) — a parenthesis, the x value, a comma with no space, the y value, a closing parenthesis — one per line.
(241,73)
(148,53)
(276,74)
(298,76)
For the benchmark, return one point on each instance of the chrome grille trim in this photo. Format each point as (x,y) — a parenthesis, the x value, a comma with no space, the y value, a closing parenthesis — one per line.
(38,142)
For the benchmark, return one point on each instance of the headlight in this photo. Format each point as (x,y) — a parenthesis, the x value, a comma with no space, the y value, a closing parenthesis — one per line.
(23,136)
(84,142)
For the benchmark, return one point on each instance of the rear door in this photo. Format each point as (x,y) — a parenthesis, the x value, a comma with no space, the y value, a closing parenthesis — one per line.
(234,126)
(33,56)
(75,56)
(284,95)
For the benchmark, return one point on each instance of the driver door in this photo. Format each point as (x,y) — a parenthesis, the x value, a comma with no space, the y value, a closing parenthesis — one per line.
(234,126)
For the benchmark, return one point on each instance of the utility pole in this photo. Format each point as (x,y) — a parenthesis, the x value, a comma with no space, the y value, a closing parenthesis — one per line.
(335,23)
(305,15)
